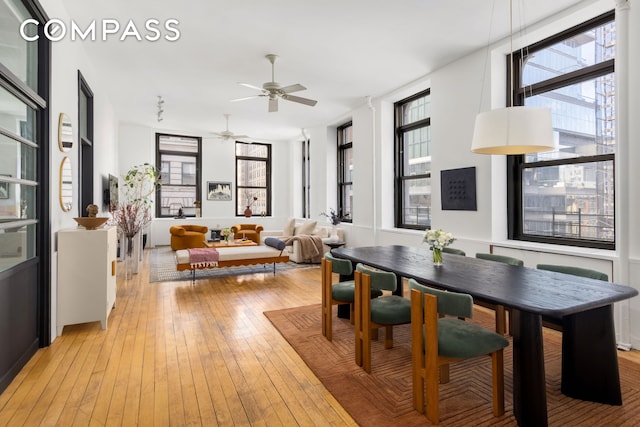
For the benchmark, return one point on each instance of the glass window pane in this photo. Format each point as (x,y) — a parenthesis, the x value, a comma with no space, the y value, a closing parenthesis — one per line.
(347,165)
(10,150)
(417,109)
(183,144)
(252,150)
(583,117)
(581,51)
(173,198)
(17,117)
(18,55)
(570,201)
(347,201)
(17,245)
(417,202)
(245,198)
(252,173)
(177,170)
(417,152)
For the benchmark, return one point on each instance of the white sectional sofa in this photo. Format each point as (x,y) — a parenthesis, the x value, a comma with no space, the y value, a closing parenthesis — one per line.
(298,228)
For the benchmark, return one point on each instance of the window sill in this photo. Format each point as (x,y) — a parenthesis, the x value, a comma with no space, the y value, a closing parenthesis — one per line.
(603,254)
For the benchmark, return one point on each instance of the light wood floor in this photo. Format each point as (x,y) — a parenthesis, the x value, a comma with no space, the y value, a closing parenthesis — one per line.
(181,354)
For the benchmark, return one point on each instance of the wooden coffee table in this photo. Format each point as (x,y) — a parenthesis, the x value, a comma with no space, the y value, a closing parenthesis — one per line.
(232,243)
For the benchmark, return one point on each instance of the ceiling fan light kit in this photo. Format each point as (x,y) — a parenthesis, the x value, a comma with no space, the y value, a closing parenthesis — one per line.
(274,91)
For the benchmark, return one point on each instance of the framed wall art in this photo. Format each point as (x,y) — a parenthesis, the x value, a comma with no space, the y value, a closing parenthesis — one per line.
(458,189)
(218,191)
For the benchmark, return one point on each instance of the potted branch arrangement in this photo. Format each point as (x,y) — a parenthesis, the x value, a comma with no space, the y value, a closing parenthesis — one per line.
(133,213)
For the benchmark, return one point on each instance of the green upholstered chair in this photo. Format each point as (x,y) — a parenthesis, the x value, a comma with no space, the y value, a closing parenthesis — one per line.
(372,314)
(576,271)
(455,251)
(337,293)
(438,340)
(501,316)
(500,258)
(555,323)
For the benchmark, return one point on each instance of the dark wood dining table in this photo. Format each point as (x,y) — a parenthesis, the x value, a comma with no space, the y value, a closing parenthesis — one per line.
(589,355)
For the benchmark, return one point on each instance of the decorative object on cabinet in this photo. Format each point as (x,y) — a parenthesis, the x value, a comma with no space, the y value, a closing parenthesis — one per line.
(91,222)
(65,133)
(66,185)
(86,278)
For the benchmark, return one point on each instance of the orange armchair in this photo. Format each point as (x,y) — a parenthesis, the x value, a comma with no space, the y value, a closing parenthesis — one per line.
(249,231)
(188,236)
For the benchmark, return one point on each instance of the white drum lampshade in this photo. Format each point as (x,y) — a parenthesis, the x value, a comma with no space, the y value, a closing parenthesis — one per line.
(513,130)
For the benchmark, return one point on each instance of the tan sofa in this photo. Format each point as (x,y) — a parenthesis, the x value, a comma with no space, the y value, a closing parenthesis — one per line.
(188,236)
(296,228)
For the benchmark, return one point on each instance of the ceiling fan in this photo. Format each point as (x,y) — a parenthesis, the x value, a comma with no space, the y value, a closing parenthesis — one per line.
(227,134)
(274,91)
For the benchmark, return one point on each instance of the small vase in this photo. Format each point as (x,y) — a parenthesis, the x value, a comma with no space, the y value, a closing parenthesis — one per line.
(131,256)
(437,257)
(247,212)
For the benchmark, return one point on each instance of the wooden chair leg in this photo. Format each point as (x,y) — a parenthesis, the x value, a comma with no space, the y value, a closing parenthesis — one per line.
(417,351)
(351,314)
(431,360)
(365,302)
(497,366)
(444,374)
(357,300)
(500,320)
(388,336)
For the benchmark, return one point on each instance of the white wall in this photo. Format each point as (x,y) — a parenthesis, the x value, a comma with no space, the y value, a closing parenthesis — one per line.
(66,59)
(137,145)
(459,91)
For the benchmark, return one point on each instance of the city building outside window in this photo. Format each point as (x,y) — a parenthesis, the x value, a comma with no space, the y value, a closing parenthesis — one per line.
(413,161)
(253,178)
(179,159)
(567,196)
(345,172)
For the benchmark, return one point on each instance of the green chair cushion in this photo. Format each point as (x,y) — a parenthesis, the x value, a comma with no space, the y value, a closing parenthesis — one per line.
(575,271)
(453,251)
(463,340)
(344,291)
(339,266)
(391,310)
(501,258)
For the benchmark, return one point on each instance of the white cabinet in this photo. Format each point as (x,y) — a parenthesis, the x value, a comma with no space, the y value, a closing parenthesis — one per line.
(86,275)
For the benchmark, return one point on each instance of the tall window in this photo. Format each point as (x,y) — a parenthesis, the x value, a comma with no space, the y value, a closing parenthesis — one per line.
(253,178)
(85,130)
(179,159)
(567,196)
(345,171)
(413,161)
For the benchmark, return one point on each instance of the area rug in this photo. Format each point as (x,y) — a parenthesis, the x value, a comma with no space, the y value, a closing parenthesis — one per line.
(384,397)
(163,268)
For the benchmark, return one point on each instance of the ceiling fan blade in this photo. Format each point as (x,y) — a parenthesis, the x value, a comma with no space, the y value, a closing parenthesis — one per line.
(293,88)
(305,101)
(273,105)
(251,86)
(246,97)
(240,136)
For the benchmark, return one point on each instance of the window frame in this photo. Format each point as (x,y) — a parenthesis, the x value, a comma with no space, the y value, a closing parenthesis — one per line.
(198,162)
(516,164)
(86,166)
(342,184)
(268,188)
(400,174)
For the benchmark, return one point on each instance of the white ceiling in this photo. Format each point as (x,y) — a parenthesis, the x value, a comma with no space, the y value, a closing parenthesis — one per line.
(341,50)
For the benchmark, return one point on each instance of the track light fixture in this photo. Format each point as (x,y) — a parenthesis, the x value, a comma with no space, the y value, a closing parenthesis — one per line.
(160,110)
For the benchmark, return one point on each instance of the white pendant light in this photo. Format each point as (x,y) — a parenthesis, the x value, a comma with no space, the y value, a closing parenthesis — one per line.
(513,130)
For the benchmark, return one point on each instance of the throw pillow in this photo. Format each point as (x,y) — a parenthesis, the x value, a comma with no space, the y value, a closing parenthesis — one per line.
(305,228)
(288,229)
(321,232)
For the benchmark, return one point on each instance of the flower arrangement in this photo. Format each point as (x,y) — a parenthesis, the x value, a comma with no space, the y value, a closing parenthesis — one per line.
(437,240)
(333,217)
(226,232)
